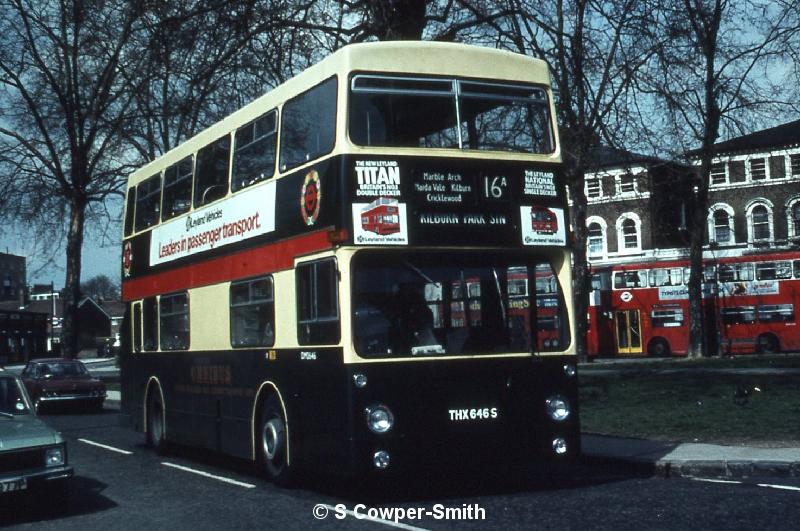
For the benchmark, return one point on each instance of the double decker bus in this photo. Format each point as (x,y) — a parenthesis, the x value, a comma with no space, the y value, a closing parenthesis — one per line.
(748,306)
(266,321)
(757,299)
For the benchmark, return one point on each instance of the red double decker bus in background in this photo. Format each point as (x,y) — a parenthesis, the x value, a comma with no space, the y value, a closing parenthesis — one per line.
(543,220)
(382,216)
(748,306)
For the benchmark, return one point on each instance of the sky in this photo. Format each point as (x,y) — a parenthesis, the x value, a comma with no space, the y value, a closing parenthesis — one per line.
(99,257)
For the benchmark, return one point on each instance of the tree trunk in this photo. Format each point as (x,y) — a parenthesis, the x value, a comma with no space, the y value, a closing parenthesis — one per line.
(580,265)
(72,287)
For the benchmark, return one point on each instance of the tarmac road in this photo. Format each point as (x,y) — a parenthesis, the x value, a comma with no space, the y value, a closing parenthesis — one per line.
(120,484)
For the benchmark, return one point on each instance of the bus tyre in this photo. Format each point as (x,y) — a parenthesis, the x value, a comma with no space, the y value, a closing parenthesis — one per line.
(767,344)
(658,348)
(273,442)
(155,424)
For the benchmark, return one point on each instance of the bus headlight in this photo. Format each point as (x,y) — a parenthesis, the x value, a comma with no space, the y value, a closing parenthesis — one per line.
(379,418)
(557,408)
(360,380)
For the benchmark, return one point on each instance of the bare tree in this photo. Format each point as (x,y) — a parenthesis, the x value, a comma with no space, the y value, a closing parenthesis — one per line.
(710,78)
(62,106)
(100,287)
(594,49)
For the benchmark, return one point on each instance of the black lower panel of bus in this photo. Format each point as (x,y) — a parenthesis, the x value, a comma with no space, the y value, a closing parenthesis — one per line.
(448,411)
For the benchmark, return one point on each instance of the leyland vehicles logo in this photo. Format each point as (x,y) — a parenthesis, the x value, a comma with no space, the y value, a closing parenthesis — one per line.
(310,198)
(127,259)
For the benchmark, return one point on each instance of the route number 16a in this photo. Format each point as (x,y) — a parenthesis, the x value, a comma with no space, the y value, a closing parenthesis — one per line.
(495,187)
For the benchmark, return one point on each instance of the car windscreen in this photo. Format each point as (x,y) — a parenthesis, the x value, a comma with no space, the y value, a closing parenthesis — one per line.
(455,303)
(59,370)
(12,400)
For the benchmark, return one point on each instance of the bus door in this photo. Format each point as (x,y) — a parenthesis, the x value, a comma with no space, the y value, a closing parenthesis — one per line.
(628,331)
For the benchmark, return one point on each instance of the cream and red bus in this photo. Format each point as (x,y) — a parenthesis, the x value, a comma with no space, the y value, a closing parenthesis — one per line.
(268,322)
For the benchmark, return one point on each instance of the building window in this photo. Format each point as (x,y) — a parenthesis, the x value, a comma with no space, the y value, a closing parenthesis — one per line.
(722,227)
(794,165)
(794,221)
(758,169)
(252,313)
(593,188)
(174,321)
(630,234)
(759,221)
(596,239)
(719,174)
(627,184)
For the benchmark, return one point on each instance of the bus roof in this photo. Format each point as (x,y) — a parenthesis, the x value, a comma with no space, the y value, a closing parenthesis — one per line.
(420,57)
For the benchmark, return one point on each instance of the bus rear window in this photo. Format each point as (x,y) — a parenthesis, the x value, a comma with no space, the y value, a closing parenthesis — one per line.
(449,113)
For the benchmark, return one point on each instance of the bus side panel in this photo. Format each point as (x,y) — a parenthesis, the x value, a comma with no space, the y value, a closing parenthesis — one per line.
(210,399)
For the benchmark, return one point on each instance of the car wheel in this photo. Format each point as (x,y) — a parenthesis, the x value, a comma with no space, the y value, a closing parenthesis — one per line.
(155,424)
(273,442)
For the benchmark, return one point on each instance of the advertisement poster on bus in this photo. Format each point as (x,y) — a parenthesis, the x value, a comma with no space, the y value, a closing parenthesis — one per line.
(749,287)
(381,222)
(246,215)
(676,293)
(543,225)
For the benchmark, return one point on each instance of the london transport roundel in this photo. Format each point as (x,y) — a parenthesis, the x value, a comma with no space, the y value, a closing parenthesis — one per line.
(127,259)
(626,296)
(310,198)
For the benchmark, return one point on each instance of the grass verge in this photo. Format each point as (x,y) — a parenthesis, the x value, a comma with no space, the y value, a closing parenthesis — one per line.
(707,406)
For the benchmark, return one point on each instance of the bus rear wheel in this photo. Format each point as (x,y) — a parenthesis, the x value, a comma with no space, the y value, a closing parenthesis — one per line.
(274,442)
(767,344)
(658,348)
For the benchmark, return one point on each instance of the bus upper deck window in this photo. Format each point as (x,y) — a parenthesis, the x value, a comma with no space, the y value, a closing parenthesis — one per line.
(130,207)
(177,189)
(254,151)
(148,202)
(211,180)
(308,125)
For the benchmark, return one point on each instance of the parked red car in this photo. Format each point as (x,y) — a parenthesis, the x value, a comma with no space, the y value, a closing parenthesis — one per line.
(60,381)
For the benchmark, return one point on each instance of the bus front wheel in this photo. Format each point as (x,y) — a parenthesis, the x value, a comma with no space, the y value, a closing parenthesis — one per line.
(767,344)
(155,424)
(274,442)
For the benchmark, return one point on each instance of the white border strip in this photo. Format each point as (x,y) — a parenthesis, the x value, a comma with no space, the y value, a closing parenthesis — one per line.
(105,447)
(212,476)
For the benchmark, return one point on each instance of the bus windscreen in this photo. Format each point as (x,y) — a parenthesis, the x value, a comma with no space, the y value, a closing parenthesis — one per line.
(444,113)
(410,304)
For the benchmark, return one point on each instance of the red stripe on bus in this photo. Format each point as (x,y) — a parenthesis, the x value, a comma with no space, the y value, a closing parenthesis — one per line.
(243,264)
